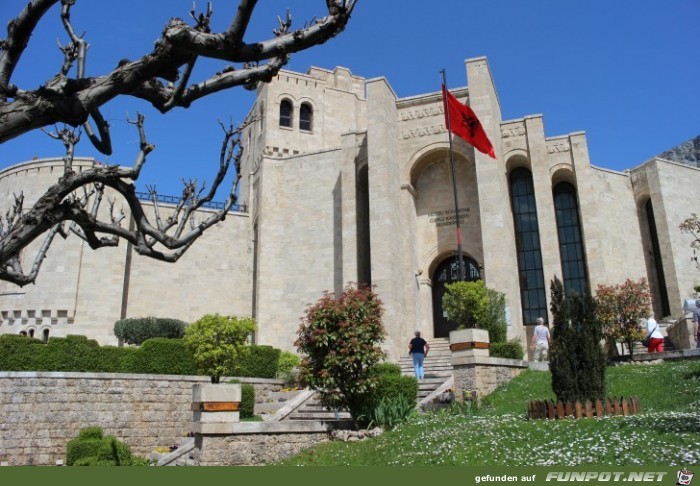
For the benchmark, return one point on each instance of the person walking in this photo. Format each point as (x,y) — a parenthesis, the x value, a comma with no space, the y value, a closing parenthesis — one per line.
(418,348)
(540,341)
(656,339)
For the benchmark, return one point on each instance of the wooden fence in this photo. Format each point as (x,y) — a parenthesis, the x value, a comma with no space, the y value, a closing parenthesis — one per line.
(547,409)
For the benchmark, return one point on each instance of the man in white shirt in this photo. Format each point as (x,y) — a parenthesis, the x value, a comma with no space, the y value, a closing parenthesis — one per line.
(540,341)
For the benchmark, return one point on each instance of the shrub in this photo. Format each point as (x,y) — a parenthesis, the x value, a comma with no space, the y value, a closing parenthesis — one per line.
(247,409)
(620,308)
(339,339)
(138,330)
(91,433)
(512,349)
(21,353)
(473,305)
(383,369)
(91,448)
(218,343)
(392,399)
(258,362)
(390,412)
(163,356)
(286,365)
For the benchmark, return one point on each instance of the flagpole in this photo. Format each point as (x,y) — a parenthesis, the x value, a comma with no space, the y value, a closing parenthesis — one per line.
(460,258)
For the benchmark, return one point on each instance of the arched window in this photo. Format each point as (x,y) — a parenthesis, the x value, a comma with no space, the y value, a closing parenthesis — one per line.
(31,333)
(286,113)
(573,261)
(527,237)
(45,335)
(306,115)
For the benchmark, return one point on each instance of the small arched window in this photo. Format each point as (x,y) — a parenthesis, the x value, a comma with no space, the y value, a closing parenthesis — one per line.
(45,335)
(306,115)
(286,111)
(31,333)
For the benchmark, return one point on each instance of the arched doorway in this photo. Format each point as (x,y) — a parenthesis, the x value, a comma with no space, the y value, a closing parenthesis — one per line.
(448,272)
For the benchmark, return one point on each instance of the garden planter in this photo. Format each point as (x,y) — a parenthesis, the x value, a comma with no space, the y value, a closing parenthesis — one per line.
(469,343)
(216,403)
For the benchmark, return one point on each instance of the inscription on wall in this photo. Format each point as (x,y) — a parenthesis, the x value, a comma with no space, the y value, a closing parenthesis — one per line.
(448,217)
(421,113)
(513,132)
(558,147)
(423,131)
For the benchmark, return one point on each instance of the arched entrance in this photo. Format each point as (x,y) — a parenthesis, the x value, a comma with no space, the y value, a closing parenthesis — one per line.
(448,272)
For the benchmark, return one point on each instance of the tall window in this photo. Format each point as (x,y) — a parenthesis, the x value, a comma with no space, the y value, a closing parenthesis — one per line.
(573,262)
(658,263)
(286,111)
(527,236)
(306,114)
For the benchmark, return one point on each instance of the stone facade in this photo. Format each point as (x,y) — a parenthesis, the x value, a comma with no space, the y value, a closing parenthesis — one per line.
(41,412)
(361,192)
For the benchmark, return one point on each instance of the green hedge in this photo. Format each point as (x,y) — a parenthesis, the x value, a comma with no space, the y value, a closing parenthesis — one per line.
(154,356)
(20,353)
(138,330)
(163,357)
(259,362)
(510,349)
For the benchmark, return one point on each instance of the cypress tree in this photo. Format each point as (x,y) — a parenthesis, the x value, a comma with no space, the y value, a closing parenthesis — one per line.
(577,359)
(561,352)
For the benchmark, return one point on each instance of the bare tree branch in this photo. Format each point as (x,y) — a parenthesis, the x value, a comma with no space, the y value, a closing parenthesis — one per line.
(74,100)
(162,78)
(77,198)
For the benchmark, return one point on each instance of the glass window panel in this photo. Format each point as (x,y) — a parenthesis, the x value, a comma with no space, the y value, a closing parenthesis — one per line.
(286,113)
(532,290)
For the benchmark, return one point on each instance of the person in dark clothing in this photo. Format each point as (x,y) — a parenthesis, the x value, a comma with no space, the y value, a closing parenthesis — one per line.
(418,348)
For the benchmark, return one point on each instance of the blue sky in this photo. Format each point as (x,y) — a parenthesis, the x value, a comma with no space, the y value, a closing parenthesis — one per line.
(625,71)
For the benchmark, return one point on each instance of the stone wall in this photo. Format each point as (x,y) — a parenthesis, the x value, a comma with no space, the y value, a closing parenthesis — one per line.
(40,412)
(485,374)
(253,444)
(681,333)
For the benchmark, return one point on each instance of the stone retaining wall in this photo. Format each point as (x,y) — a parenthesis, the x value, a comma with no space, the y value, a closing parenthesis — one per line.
(484,374)
(41,411)
(253,444)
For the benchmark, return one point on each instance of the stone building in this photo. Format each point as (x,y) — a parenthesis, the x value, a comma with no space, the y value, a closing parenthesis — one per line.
(345,182)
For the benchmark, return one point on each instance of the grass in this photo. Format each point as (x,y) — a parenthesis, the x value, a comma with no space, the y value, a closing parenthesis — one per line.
(667,432)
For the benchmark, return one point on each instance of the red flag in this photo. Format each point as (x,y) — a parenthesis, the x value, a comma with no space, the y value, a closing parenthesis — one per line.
(465,124)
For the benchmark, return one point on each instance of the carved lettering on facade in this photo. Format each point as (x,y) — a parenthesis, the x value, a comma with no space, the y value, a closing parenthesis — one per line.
(421,113)
(558,147)
(513,132)
(423,131)
(448,217)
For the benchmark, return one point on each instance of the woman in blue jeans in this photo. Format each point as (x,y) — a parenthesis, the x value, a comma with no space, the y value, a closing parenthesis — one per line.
(418,348)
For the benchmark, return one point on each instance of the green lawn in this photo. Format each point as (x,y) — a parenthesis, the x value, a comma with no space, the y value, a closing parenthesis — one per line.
(667,431)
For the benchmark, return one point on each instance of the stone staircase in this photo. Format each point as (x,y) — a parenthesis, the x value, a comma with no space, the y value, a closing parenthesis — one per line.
(438,367)
(312,409)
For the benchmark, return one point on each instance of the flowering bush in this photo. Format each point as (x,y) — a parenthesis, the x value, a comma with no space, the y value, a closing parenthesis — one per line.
(339,341)
(620,308)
